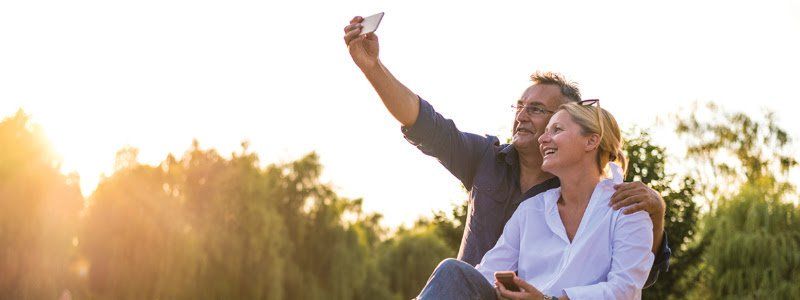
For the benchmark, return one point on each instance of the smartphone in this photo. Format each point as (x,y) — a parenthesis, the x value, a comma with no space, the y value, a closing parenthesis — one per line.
(506,278)
(370,24)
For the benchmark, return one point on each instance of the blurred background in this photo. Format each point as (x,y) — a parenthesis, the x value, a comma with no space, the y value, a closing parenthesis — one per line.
(232,150)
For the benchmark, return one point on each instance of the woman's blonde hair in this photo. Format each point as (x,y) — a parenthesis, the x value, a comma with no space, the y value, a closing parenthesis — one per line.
(594,119)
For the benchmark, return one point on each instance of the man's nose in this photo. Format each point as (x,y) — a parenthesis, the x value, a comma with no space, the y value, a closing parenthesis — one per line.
(522,116)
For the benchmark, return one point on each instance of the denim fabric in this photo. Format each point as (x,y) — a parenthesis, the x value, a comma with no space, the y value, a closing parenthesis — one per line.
(455,279)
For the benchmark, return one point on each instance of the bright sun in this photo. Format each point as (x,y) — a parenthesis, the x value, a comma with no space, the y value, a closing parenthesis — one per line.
(81,147)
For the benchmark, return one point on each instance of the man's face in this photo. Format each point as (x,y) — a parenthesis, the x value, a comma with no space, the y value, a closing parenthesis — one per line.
(527,127)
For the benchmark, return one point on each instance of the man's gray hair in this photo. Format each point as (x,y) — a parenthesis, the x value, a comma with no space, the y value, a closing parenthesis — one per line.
(568,88)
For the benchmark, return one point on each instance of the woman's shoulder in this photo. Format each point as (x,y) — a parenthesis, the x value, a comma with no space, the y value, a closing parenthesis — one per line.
(639,218)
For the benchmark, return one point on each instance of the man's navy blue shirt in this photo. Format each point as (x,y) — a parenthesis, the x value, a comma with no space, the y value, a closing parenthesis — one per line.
(490,171)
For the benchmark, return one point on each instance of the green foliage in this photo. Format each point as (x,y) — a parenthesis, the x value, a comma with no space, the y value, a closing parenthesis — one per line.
(410,258)
(198,227)
(206,226)
(451,227)
(733,148)
(754,246)
(232,229)
(751,239)
(39,210)
(162,231)
(646,164)
(136,237)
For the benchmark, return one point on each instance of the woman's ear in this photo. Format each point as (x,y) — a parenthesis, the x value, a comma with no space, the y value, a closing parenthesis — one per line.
(593,142)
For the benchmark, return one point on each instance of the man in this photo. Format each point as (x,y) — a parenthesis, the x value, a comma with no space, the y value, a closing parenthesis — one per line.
(499,177)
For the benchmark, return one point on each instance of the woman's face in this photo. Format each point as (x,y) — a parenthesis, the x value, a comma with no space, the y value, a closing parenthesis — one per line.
(563,144)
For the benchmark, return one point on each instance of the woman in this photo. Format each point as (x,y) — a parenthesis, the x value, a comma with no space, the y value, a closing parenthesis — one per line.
(566,243)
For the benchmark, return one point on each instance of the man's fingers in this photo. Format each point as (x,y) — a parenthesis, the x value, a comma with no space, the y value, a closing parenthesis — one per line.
(352,35)
(623,203)
(351,27)
(356,19)
(635,208)
(627,185)
(620,186)
(628,201)
(620,195)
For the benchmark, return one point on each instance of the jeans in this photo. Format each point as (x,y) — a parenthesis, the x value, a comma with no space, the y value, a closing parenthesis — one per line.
(455,279)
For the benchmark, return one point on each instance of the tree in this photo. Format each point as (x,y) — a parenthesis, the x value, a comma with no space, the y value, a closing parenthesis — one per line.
(206,226)
(244,243)
(136,238)
(450,227)
(745,164)
(197,227)
(735,149)
(646,163)
(410,257)
(754,246)
(39,210)
(333,243)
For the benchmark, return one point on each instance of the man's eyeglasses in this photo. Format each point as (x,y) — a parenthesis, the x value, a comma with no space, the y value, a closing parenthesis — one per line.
(538,110)
(532,110)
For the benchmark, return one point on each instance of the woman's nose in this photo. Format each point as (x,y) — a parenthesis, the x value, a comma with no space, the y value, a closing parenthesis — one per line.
(545,137)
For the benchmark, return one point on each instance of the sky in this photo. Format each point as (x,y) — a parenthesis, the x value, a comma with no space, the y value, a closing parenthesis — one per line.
(102,75)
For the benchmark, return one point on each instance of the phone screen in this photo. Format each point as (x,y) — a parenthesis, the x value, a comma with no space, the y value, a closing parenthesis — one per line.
(370,24)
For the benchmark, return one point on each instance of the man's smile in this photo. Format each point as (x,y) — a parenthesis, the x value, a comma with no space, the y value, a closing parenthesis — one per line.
(524,130)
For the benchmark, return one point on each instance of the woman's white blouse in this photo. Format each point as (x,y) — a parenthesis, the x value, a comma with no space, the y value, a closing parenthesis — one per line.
(609,257)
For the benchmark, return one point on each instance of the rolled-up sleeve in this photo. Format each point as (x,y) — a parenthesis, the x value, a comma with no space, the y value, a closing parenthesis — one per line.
(631,260)
(434,135)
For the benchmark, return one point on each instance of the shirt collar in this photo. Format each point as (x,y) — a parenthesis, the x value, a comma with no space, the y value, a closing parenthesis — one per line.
(604,188)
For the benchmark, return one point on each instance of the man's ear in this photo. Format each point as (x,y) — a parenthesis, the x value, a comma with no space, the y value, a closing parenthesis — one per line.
(593,142)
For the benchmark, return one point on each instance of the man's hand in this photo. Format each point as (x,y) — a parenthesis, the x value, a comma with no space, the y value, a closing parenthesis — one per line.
(638,197)
(401,102)
(363,48)
(528,291)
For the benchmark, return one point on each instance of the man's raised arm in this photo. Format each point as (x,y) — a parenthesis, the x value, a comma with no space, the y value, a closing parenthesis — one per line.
(459,152)
(401,102)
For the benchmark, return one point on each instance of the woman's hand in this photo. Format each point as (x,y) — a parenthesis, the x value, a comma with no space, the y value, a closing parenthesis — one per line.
(528,291)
